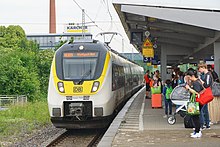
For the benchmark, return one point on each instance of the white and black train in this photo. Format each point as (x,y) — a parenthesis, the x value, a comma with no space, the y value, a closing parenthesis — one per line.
(88,82)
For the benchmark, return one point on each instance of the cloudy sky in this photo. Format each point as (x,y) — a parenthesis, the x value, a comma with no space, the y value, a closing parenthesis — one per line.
(33,16)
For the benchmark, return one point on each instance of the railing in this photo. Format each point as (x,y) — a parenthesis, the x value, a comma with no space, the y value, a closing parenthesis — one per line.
(6,100)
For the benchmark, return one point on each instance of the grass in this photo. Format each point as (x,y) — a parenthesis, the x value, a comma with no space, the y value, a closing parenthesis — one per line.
(23,119)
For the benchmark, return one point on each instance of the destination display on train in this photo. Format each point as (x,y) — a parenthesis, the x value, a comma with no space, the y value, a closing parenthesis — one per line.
(80,54)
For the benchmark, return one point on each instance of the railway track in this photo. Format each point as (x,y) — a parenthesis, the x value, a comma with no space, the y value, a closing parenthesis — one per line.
(81,138)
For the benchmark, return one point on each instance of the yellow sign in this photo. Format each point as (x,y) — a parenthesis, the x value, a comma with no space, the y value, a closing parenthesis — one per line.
(155,66)
(147,43)
(76,31)
(148,52)
(147,48)
(149,64)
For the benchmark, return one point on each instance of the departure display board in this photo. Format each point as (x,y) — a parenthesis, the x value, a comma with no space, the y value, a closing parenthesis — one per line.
(80,54)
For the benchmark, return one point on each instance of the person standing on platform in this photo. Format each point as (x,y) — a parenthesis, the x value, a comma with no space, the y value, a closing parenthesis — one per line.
(147,82)
(158,79)
(207,82)
(196,88)
(214,74)
(167,90)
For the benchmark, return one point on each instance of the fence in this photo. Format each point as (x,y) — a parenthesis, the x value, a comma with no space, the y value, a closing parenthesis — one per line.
(6,100)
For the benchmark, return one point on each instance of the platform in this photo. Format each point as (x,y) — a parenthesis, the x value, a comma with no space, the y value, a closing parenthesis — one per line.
(139,125)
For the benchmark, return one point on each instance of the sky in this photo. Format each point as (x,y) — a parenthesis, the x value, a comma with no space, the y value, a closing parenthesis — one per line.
(33,17)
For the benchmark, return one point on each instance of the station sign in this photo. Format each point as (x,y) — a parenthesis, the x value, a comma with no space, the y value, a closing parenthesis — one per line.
(153,61)
(147,59)
(75,29)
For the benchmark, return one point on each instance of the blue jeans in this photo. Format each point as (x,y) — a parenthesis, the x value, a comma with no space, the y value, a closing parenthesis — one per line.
(204,116)
(168,103)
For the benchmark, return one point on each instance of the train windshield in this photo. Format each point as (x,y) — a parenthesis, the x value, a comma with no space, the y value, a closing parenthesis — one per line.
(79,67)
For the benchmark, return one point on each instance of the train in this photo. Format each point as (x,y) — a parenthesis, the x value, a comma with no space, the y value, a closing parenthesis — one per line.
(88,84)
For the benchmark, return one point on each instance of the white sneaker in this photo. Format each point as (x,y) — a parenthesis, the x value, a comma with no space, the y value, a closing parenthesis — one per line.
(192,133)
(197,135)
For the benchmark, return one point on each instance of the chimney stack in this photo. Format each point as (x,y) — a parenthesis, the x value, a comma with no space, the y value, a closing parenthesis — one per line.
(52,17)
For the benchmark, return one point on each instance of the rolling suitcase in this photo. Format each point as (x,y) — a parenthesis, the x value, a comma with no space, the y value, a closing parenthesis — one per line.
(156,101)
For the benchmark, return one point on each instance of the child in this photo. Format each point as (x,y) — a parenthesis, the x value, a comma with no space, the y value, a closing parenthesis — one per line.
(167,90)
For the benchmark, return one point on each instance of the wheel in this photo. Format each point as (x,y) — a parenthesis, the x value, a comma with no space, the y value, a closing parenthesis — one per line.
(171,120)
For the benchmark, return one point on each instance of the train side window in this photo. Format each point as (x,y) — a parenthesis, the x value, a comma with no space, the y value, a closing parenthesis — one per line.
(114,77)
(118,77)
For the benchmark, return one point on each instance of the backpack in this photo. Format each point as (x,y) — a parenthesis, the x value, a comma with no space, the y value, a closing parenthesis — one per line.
(168,91)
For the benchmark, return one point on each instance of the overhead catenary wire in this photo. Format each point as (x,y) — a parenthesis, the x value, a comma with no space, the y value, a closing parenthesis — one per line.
(87,15)
(98,11)
(100,21)
(59,23)
(106,5)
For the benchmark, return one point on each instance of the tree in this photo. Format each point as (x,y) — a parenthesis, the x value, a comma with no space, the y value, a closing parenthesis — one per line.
(24,69)
(16,76)
(12,37)
(44,60)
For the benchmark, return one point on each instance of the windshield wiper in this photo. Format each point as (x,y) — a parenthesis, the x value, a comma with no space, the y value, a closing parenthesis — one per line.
(86,74)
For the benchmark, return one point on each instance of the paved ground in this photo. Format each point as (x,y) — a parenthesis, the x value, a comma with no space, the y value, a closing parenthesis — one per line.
(147,127)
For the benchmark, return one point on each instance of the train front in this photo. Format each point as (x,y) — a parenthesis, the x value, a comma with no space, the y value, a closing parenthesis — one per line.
(79,93)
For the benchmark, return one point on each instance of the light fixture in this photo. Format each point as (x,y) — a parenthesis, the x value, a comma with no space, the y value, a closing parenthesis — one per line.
(191,58)
(81,47)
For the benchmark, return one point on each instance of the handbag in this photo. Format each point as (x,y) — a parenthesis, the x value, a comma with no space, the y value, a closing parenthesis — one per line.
(216,89)
(156,90)
(193,106)
(205,96)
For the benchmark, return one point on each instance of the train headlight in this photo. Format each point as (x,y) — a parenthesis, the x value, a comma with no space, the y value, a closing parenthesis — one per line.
(81,47)
(61,87)
(95,86)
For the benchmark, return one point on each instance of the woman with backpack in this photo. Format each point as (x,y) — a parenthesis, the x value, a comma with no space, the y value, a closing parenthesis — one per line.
(167,90)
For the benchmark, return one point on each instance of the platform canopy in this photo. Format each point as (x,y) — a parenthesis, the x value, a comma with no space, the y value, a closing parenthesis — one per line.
(189,28)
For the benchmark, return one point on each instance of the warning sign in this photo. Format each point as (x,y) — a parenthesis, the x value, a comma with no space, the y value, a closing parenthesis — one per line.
(147,43)
(147,48)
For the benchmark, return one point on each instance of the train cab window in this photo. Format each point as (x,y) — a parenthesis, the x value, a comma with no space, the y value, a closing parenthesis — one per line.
(79,68)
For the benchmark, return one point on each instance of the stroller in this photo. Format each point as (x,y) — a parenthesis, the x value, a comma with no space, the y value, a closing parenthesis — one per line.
(179,96)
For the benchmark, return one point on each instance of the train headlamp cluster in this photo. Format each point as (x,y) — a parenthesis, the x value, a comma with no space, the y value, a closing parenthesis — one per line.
(95,86)
(61,87)
(81,47)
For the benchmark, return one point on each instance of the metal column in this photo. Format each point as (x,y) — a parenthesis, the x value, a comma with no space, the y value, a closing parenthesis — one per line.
(163,62)
(217,57)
